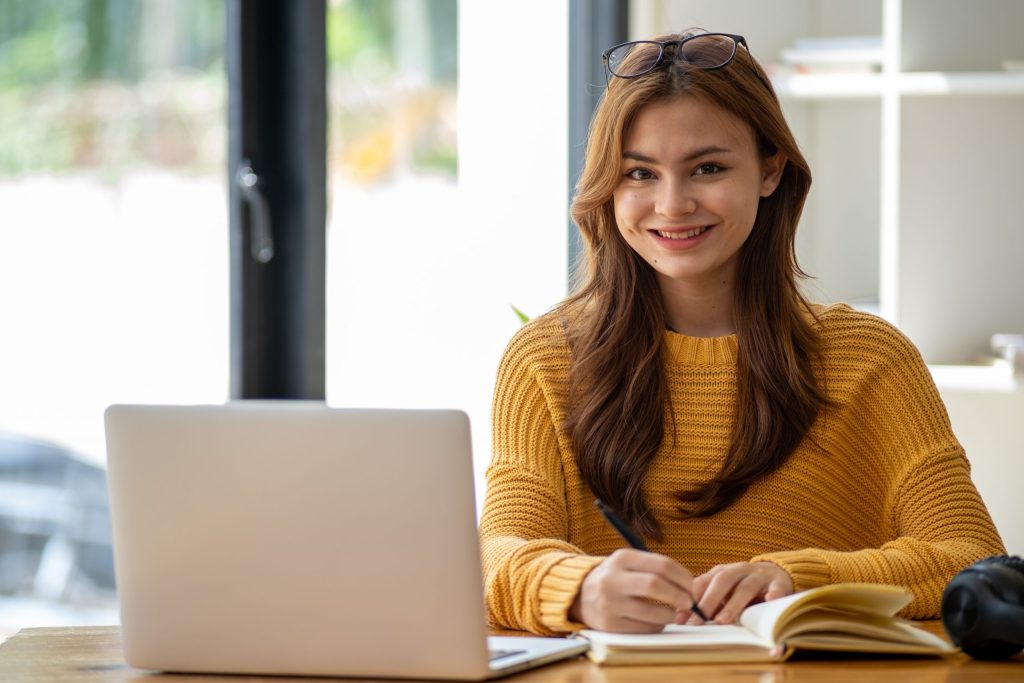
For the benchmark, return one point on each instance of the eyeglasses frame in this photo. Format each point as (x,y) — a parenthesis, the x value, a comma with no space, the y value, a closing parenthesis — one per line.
(737,40)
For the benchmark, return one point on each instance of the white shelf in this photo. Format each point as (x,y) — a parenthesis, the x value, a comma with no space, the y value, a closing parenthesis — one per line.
(997,377)
(843,86)
(828,86)
(962,83)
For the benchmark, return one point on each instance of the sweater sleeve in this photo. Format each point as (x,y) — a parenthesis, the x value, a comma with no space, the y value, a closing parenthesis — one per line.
(937,520)
(531,572)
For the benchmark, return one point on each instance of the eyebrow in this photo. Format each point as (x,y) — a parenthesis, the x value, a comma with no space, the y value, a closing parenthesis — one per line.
(696,154)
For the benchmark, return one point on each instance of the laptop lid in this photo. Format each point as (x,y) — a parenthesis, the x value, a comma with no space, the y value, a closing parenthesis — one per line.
(293,538)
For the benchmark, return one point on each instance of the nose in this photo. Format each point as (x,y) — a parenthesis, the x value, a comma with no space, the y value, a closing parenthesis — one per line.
(675,199)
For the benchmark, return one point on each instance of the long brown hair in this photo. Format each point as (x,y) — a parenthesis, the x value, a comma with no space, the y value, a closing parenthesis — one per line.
(618,392)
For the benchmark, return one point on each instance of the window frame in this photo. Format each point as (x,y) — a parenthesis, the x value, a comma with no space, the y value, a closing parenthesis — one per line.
(277,122)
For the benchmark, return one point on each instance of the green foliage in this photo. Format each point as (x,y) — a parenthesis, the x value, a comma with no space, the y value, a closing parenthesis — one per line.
(32,57)
(110,83)
(47,41)
(359,35)
(523,318)
(392,87)
(115,83)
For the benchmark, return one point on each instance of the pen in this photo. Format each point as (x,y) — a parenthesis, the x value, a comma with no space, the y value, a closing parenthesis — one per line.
(634,541)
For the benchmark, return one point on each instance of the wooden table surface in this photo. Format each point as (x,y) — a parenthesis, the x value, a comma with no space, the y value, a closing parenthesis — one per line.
(92,654)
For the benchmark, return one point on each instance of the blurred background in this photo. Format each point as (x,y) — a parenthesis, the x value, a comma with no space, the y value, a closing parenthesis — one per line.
(114,266)
(112,271)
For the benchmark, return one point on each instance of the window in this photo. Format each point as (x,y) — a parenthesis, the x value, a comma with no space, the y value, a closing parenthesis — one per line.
(426,255)
(446,207)
(113,271)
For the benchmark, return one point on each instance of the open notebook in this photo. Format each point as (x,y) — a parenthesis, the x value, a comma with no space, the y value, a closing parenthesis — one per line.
(846,617)
(292,538)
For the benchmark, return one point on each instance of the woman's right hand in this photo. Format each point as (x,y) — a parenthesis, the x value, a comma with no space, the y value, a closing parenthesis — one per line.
(633,591)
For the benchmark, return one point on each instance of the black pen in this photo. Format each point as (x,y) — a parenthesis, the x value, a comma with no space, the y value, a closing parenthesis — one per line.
(634,540)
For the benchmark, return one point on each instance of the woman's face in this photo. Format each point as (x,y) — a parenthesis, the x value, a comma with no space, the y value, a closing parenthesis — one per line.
(691,178)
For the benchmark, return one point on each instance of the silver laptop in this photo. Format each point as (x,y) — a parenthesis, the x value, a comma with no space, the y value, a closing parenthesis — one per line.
(293,538)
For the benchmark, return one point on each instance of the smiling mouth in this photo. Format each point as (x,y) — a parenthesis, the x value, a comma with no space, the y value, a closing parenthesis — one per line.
(682,234)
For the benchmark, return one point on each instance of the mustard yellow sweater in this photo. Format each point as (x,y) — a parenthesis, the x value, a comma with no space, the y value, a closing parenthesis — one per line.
(878,491)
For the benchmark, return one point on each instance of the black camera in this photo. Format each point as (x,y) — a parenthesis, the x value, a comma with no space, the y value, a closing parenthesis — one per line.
(983,608)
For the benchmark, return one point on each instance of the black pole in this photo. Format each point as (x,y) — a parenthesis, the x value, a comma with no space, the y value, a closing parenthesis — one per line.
(277,191)
(593,26)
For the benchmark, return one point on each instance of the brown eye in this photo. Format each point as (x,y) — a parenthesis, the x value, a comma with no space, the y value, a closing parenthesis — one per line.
(639,174)
(709,169)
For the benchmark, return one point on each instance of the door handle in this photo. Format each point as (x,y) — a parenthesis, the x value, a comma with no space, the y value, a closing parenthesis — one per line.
(261,238)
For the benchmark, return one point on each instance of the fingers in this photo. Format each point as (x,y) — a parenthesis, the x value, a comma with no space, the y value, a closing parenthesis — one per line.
(715,587)
(726,590)
(779,588)
(749,589)
(655,577)
(635,591)
(639,592)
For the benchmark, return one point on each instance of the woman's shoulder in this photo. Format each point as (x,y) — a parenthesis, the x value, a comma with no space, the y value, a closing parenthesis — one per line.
(850,334)
(542,341)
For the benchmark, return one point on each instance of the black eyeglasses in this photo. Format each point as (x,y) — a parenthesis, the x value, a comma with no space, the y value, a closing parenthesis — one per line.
(638,57)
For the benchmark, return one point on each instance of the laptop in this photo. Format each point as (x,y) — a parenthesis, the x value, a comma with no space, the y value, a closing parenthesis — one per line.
(292,538)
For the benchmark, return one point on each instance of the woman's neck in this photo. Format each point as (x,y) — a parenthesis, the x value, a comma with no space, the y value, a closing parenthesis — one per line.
(703,310)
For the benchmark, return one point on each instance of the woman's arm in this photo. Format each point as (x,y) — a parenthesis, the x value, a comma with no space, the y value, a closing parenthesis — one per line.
(531,572)
(901,437)
(533,575)
(942,526)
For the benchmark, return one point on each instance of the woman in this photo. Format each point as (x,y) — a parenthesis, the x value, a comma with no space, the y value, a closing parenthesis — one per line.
(761,444)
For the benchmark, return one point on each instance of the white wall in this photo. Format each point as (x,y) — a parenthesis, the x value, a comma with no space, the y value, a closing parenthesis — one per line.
(986,407)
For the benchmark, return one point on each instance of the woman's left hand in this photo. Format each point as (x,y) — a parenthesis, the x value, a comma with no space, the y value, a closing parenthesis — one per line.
(725,590)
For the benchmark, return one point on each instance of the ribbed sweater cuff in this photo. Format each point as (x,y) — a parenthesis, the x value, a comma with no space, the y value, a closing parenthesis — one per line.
(805,567)
(559,588)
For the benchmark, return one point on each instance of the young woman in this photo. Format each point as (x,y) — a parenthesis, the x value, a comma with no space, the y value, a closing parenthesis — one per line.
(759,443)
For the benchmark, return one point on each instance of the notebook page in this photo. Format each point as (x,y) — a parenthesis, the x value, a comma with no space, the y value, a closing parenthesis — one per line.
(866,598)
(683,636)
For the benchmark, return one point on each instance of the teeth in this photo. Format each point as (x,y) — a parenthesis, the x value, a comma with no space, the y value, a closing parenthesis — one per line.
(682,235)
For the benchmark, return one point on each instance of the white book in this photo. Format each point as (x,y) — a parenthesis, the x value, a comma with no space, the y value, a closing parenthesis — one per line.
(847,617)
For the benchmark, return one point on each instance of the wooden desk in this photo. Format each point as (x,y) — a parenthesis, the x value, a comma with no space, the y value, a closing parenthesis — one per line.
(93,655)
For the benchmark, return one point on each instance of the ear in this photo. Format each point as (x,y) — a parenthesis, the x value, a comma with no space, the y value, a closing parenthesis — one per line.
(771,173)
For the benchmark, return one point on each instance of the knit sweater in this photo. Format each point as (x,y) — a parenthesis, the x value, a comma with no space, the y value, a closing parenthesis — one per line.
(879,489)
